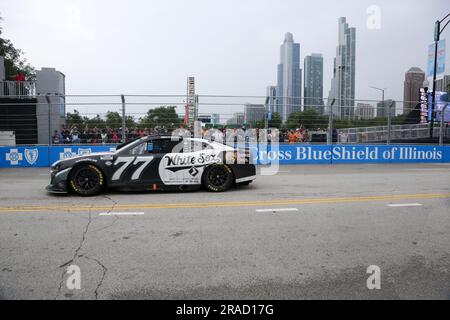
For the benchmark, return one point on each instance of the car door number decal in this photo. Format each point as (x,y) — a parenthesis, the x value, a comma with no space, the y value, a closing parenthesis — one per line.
(127,162)
(146,161)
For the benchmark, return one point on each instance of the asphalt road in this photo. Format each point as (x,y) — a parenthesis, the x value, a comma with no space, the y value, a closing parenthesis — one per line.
(197,245)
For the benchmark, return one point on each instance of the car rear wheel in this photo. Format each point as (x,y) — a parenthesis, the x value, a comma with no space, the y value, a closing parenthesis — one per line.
(86,180)
(218,178)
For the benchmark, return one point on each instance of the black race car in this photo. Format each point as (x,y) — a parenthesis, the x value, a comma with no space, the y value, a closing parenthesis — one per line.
(155,163)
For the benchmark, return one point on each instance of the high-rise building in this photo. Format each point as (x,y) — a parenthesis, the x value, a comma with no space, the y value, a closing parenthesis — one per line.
(254,112)
(364,111)
(272,96)
(237,119)
(342,92)
(213,118)
(414,79)
(442,84)
(289,87)
(313,90)
(383,107)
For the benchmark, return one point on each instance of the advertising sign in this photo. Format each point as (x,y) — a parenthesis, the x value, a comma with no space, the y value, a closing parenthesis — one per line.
(423,105)
(37,156)
(440,104)
(441,53)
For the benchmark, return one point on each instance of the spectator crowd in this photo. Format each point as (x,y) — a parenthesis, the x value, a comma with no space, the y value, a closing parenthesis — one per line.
(73,135)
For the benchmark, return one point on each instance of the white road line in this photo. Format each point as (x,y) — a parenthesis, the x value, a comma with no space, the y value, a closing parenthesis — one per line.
(277,210)
(121,214)
(399,205)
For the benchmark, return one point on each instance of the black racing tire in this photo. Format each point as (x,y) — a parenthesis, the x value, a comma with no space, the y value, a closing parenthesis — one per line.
(86,180)
(218,178)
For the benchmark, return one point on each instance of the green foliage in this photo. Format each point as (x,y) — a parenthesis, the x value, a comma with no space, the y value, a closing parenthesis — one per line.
(375,122)
(275,122)
(14,60)
(161,117)
(309,119)
(114,120)
(74,119)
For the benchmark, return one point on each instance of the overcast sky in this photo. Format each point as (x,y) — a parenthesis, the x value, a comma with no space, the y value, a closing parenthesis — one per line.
(231,47)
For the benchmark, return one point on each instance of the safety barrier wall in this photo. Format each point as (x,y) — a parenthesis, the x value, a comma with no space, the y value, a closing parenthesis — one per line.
(44,156)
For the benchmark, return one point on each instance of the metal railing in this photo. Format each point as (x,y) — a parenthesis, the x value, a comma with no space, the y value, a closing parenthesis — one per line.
(17,89)
(398,132)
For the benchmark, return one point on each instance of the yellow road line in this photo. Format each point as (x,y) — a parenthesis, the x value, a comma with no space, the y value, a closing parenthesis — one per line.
(227,204)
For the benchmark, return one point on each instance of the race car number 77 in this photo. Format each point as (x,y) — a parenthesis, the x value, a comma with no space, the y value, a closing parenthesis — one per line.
(127,162)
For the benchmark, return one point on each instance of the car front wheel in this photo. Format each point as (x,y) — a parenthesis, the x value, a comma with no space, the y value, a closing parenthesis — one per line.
(87,180)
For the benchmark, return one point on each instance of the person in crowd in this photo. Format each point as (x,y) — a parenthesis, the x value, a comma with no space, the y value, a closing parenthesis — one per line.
(104,137)
(75,135)
(56,138)
(292,137)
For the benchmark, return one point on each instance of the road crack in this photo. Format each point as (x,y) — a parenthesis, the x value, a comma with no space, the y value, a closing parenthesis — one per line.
(116,218)
(76,254)
(105,270)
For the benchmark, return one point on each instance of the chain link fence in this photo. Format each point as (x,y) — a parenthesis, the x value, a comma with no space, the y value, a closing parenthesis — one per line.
(103,119)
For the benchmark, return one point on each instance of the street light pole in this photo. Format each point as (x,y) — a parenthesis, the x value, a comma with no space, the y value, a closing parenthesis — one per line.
(437,33)
(441,135)
(388,111)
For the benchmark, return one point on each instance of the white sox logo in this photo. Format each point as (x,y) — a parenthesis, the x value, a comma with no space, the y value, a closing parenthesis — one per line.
(31,155)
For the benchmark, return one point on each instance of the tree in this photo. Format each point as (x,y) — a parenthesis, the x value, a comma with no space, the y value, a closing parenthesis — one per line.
(161,117)
(275,122)
(74,119)
(114,120)
(14,60)
(96,122)
(309,119)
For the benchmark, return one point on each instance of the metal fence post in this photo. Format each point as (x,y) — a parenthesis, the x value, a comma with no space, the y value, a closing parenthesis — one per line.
(389,123)
(441,135)
(49,104)
(124,137)
(330,124)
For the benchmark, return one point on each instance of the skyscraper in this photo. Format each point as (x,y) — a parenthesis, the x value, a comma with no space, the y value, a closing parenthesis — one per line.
(289,87)
(364,111)
(254,112)
(272,95)
(442,84)
(384,106)
(343,83)
(313,90)
(414,79)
